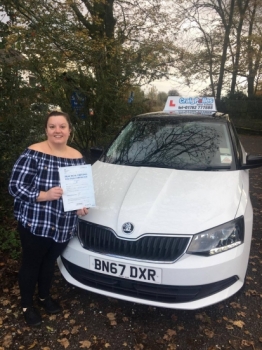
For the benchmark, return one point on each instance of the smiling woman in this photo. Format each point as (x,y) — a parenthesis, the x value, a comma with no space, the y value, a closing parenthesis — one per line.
(44,228)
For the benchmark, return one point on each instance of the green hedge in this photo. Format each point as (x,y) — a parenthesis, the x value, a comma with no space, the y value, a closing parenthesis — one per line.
(246,113)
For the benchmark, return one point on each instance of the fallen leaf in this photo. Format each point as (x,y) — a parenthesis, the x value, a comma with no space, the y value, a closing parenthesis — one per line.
(107,345)
(50,328)
(203,318)
(75,330)
(234,344)
(52,317)
(15,291)
(66,315)
(125,319)
(7,340)
(247,343)
(209,333)
(64,342)
(251,292)
(239,324)
(171,346)
(112,319)
(228,326)
(111,315)
(33,344)
(139,347)
(169,334)
(235,305)
(85,344)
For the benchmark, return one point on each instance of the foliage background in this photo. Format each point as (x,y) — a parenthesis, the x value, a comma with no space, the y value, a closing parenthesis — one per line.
(100,53)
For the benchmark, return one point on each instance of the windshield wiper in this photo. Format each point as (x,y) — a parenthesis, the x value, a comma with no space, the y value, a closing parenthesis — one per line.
(207,167)
(148,165)
(192,167)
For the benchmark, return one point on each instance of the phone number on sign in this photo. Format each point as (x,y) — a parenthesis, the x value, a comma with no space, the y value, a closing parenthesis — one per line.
(196,107)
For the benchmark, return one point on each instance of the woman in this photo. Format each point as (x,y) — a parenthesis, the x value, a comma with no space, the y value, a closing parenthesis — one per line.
(43,226)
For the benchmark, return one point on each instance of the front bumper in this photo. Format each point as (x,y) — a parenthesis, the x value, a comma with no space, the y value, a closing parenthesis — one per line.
(191,282)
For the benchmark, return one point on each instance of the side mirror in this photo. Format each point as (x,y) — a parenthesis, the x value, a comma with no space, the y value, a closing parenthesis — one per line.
(95,154)
(252,161)
(96,151)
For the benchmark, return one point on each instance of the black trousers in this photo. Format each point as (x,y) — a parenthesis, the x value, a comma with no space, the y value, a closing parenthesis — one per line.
(39,255)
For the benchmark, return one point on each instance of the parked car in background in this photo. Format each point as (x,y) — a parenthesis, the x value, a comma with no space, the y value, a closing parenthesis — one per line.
(172,225)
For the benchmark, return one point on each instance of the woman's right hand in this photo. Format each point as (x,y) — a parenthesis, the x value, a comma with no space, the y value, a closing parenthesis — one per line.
(52,194)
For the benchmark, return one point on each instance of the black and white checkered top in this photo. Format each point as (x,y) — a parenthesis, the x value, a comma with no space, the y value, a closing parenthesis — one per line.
(34,172)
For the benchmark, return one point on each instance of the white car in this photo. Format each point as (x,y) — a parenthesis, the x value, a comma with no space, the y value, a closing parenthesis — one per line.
(173,219)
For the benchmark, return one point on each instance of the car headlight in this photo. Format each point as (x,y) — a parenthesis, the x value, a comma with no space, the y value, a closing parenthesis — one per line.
(218,239)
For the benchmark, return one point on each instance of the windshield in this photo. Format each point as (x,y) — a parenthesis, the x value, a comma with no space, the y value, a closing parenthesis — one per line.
(171,143)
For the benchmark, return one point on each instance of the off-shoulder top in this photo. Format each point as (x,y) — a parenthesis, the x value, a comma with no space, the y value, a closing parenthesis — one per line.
(33,172)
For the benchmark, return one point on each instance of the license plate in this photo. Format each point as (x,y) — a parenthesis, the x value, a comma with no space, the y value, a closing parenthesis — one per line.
(133,272)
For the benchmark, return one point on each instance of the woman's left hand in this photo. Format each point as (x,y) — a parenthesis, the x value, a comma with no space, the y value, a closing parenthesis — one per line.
(82,212)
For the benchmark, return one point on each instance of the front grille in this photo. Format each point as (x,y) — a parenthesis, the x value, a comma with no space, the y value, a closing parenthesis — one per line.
(147,291)
(103,240)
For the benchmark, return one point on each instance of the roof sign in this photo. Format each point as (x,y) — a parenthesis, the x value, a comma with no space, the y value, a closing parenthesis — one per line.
(197,104)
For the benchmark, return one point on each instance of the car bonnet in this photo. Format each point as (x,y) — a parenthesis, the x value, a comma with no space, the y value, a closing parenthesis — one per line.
(168,201)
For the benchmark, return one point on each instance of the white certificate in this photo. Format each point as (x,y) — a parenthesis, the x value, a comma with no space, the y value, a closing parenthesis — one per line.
(78,188)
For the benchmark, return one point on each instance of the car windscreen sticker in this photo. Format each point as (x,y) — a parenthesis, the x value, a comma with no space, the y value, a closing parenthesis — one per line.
(224,150)
(226,158)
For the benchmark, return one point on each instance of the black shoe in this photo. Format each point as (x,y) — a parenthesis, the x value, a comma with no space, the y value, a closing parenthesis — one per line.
(32,317)
(50,305)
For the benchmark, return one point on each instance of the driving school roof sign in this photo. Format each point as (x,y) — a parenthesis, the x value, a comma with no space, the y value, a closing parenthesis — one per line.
(177,103)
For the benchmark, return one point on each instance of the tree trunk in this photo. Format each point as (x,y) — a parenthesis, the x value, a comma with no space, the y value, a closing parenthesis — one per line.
(227,26)
(242,11)
(250,54)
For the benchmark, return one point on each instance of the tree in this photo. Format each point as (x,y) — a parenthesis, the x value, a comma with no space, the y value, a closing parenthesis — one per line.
(173,92)
(252,43)
(242,8)
(162,97)
(223,45)
(100,48)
